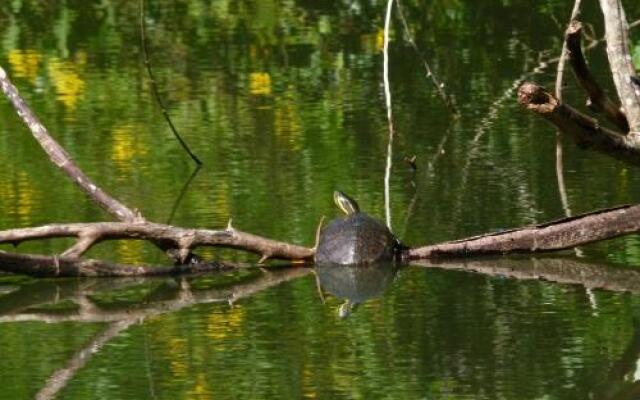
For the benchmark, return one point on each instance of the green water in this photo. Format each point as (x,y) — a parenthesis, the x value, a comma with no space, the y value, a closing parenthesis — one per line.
(283,102)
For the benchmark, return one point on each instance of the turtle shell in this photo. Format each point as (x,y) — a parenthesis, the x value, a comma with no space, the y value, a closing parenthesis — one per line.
(355,239)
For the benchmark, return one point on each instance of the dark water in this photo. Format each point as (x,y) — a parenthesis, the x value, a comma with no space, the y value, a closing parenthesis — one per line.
(284,104)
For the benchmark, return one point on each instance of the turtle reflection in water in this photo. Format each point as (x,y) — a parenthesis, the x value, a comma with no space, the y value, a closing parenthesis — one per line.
(355,283)
(355,239)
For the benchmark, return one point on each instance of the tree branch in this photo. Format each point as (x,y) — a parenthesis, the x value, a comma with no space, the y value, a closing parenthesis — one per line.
(586,131)
(598,99)
(183,238)
(621,63)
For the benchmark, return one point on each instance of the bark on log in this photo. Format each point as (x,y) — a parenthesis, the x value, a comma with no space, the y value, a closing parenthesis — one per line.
(552,236)
(598,99)
(586,131)
(621,63)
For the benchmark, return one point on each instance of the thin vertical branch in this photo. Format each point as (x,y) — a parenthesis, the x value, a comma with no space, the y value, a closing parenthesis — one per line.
(387,96)
(563,55)
(154,88)
(183,191)
(559,151)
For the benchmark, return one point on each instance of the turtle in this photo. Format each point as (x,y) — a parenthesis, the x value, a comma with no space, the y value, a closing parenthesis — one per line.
(356,238)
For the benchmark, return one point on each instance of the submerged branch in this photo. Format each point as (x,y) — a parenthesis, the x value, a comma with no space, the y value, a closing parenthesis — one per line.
(63,266)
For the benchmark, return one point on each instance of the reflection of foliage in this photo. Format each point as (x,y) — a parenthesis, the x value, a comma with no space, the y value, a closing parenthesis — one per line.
(24,63)
(222,281)
(226,323)
(67,81)
(260,83)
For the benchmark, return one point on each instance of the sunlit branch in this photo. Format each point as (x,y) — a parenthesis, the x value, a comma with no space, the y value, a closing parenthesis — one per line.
(387,96)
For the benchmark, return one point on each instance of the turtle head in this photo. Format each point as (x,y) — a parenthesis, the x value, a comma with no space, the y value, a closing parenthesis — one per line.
(345,203)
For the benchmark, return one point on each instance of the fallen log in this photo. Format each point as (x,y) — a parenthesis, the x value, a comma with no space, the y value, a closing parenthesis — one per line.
(552,236)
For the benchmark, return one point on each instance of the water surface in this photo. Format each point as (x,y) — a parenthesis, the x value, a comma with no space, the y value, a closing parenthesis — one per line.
(282,100)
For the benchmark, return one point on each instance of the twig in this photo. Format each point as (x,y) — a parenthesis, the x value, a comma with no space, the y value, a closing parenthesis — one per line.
(439,86)
(564,52)
(155,90)
(387,96)
(183,191)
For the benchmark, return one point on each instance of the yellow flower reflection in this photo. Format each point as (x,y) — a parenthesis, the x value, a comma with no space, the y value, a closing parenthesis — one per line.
(124,146)
(130,251)
(66,80)
(24,64)
(200,390)
(177,349)
(224,324)
(260,83)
